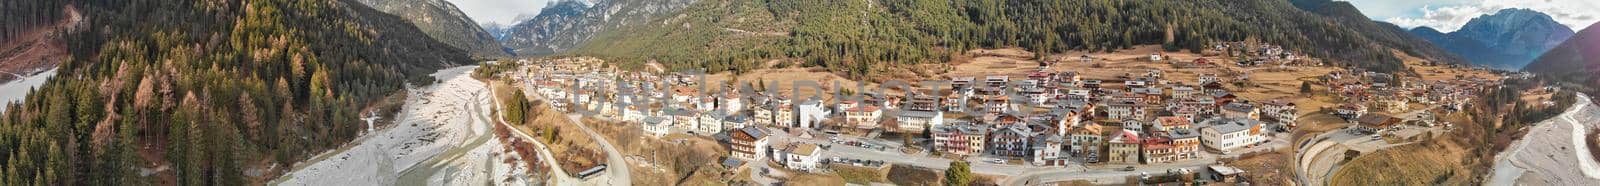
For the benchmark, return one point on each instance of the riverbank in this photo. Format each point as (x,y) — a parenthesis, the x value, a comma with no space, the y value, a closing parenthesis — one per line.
(441,136)
(1553,152)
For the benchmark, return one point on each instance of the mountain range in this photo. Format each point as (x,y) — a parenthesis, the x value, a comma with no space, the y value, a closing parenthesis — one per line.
(444,22)
(1577,60)
(1508,39)
(569,23)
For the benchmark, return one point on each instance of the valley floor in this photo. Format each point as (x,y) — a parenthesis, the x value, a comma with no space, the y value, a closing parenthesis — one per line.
(441,137)
(1553,152)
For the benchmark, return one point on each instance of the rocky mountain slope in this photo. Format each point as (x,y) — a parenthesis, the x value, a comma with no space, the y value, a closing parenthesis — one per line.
(569,23)
(1508,39)
(444,22)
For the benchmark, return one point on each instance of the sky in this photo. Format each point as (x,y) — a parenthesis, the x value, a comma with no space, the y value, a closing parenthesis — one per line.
(1449,15)
(504,12)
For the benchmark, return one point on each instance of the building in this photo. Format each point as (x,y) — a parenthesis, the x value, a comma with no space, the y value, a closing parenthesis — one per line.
(961,138)
(1375,123)
(710,123)
(748,143)
(1241,110)
(917,120)
(1047,150)
(1185,144)
(1231,133)
(656,126)
(1157,149)
(1171,122)
(810,113)
(863,117)
(803,157)
(1124,147)
(1120,110)
(1351,110)
(1011,142)
(1087,140)
(685,119)
(1133,125)
(1279,111)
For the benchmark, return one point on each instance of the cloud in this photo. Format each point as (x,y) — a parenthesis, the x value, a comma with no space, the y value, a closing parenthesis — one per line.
(504,12)
(1576,14)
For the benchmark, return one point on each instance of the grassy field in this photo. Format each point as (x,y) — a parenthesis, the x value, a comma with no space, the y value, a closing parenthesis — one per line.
(1415,164)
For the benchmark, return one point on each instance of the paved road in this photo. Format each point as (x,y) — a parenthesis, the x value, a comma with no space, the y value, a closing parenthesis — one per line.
(558,175)
(616,167)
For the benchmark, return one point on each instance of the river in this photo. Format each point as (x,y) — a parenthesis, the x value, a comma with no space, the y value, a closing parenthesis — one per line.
(17,90)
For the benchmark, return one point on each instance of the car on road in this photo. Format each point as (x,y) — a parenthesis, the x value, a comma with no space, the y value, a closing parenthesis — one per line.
(997,161)
(1129,168)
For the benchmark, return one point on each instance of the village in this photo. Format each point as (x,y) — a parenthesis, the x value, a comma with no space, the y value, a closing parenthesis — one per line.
(1060,120)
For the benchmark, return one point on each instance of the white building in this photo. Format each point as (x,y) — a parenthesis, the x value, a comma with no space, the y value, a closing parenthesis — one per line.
(656,126)
(803,157)
(810,113)
(1231,133)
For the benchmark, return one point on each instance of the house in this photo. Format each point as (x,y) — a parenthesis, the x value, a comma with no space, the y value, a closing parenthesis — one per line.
(1231,133)
(1157,149)
(736,121)
(1351,110)
(1394,105)
(748,143)
(1241,110)
(1375,123)
(1087,140)
(1185,144)
(863,117)
(1170,123)
(686,119)
(656,126)
(761,115)
(1133,125)
(1119,110)
(1011,142)
(960,138)
(1047,150)
(1124,147)
(1208,78)
(710,123)
(1279,110)
(803,157)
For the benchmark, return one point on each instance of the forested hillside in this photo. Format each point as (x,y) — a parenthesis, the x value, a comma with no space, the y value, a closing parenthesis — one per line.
(204,92)
(444,22)
(1576,61)
(851,37)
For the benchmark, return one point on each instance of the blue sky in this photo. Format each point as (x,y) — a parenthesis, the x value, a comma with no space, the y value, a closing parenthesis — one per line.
(1449,15)
(504,12)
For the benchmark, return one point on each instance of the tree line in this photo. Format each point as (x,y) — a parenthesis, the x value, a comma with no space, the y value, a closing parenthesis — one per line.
(861,38)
